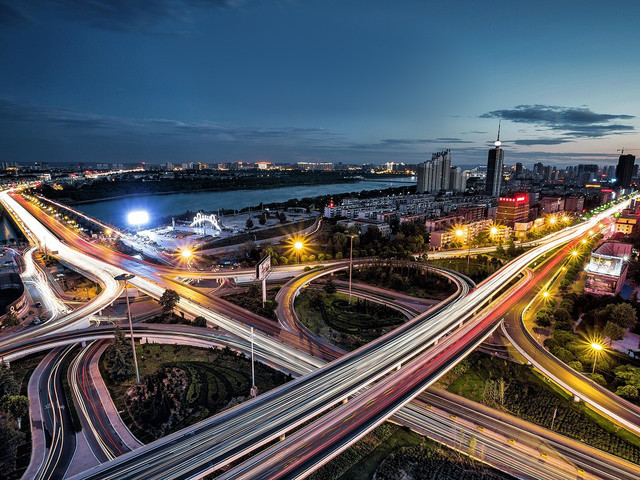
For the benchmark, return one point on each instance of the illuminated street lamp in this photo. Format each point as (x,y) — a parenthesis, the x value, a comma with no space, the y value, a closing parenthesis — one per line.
(574,253)
(597,349)
(125,277)
(459,234)
(298,246)
(494,231)
(545,294)
(350,264)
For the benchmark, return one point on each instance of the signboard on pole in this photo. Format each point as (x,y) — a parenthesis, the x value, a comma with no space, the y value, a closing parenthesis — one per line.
(263,268)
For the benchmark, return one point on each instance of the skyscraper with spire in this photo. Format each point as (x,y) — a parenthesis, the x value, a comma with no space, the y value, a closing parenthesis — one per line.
(494,168)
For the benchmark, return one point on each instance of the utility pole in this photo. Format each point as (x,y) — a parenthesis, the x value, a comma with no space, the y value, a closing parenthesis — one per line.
(350,265)
(126,277)
(254,389)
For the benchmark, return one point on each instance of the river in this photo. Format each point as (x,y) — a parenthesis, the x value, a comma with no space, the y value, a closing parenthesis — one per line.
(115,211)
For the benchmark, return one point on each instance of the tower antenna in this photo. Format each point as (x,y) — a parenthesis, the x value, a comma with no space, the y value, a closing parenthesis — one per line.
(498,142)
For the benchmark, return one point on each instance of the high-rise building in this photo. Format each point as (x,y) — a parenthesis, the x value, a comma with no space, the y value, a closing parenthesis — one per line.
(434,174)
(457,179)
(513,209)
(494,169)
(624,170)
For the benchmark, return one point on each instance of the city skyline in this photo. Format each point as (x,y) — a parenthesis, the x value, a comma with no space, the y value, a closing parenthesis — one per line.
(292,81)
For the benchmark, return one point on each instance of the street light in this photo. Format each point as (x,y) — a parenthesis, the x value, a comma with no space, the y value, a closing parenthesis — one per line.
(350,264)
(597,348)
(125,277)
(186,253)
(298,246)
(460,233)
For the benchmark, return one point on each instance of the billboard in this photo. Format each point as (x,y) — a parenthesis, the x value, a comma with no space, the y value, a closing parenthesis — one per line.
(263,268)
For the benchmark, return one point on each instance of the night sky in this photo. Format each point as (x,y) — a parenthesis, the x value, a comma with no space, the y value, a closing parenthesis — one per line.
(317,80)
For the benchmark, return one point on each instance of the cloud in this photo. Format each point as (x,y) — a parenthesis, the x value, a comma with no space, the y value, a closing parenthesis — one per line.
(54,123)
(117,15)
(540,141)
(573,122)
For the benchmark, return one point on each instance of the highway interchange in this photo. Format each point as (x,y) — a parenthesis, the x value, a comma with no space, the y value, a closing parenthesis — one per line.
(391,360)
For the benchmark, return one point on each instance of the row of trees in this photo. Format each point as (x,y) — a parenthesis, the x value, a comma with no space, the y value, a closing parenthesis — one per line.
(14,408)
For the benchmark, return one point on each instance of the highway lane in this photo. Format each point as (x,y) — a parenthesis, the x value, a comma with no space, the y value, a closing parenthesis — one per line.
(300,400)
(103,439)
(570,455)
(59,432)
(323,439)
(597,397)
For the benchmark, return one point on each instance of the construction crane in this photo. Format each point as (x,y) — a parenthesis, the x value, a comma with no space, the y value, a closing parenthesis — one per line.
(621,150)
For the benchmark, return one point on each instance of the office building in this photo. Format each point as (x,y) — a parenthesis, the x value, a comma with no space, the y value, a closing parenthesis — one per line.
(512,210)
(624,170)
(607,269)
(494,169)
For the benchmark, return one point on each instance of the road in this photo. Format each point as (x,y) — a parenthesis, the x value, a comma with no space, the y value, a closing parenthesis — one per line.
(397,350)
(58,430)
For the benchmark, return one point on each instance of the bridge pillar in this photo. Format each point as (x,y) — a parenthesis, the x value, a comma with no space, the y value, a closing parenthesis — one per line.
(576,398)
(83,343)
(282,437)
(345,401)
(399,366)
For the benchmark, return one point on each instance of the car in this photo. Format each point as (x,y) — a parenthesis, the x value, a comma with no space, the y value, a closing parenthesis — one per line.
(37,304)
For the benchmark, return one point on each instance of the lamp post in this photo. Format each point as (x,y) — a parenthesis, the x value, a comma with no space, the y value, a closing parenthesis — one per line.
(126,277)
(350,264)
(597,348)
(298,246)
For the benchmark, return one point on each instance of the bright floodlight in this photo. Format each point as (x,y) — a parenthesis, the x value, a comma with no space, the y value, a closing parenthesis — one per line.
(494,230)
(545,294)
(186,253)
(552,219)
(298,245)
(596,346)
(574,253)
(138,217)
(459,233)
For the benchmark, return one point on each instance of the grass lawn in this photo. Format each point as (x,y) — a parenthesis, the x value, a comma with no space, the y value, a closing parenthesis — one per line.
(532,397)
(395,452)
(216,379)
(346,325)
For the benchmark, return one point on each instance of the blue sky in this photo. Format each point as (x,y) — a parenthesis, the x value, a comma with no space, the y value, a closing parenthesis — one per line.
(286,80)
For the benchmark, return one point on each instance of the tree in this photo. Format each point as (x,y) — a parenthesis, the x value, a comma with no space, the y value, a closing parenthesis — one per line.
(169,300)
(613,331)
(624,315)
(119,357)
(8,384)
(10,438)
(11,320)
(599,379)
(282,217)
(200,321)
(630,392)
(16,405)
(249,223)
(330,286)
(562,315)
(263,219)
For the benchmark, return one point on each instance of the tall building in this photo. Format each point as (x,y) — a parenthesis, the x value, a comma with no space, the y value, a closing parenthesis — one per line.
(624,170)
(457,179)
(434,174)
(512,210)
(494,168)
